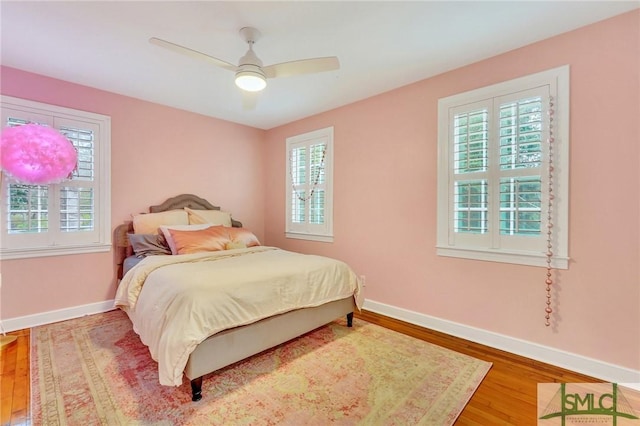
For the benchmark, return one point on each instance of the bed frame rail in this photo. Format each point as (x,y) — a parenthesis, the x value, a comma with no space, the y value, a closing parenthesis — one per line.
(230,346)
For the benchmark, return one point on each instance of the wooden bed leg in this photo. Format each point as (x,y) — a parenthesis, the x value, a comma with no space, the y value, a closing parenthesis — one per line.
(350,319)
(196,389)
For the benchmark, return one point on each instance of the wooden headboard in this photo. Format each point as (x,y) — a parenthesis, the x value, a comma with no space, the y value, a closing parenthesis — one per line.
(122,248)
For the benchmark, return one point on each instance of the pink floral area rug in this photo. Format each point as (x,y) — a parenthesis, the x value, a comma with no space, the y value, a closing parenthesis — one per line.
(95,371)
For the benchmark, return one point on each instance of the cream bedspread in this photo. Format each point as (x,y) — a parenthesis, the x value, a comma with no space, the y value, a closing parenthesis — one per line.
(176,302)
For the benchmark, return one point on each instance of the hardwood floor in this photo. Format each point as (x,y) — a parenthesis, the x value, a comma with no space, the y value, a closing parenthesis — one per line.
(15,379)
(507,396)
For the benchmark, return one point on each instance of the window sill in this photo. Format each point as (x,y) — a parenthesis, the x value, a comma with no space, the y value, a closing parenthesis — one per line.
(503,256)
(24,253)
(310,237)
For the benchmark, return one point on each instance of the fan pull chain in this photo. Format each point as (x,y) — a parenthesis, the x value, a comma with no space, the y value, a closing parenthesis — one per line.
(549,280)
(315,180)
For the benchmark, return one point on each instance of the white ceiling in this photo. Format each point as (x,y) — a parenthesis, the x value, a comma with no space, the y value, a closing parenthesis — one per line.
(380,45)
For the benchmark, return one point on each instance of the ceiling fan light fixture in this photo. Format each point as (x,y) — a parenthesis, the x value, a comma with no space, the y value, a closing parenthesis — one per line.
(251,78)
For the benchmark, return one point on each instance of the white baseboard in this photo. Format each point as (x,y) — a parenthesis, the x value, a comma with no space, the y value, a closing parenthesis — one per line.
(28,321)
(570,361)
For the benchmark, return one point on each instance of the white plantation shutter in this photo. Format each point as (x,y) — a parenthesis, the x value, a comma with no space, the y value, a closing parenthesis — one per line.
(67,217)
(493,185)
(522,127)
(309,186)
(298,160)
(317,186)
(470,206)
(28,209)
(469,174)
(77,197)
(522,132)
(27,205)
(470,143)
(520,206)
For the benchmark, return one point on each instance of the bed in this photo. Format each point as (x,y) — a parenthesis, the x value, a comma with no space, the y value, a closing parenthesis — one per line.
(265,296)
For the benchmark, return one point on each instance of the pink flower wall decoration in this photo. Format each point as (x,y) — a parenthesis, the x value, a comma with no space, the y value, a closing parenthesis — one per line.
(36,154)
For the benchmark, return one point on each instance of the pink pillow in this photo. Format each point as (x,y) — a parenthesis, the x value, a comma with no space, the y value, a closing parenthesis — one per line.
(242,235)
(164,230)
(213,238)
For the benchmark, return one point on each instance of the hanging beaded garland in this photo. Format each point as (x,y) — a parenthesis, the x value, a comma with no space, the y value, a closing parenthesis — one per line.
(549,281)
(315,180)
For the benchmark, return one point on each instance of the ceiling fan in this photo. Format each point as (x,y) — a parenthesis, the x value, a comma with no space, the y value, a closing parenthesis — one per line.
(251,75)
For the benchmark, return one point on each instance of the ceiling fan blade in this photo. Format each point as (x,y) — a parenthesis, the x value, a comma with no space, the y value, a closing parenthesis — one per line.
(249,100)
(193,53)
(304,66)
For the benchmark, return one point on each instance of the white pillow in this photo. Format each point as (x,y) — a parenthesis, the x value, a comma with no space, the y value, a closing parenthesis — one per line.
(169,238)
(213,217)
(148,223)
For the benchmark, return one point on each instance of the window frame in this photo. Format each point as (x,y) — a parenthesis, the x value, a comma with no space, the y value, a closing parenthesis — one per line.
(30,245)
(489,247)
(306,230)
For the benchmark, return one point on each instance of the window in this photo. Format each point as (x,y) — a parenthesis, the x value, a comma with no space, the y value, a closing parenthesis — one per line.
(310,186)
(494,174)
(69,217)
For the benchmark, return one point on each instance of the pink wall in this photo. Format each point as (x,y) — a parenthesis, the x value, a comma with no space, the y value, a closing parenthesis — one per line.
(156,152)
(385,200)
